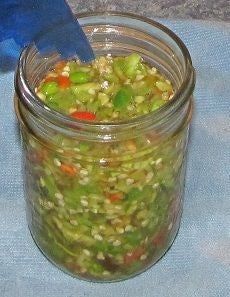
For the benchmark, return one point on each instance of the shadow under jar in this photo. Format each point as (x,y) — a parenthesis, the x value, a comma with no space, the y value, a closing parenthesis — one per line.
(118,211)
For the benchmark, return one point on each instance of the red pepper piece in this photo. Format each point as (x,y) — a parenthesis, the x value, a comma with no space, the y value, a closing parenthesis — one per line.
(68,169)
(133,256)
(63,81)
(83,115)
(159,239)
(115,197)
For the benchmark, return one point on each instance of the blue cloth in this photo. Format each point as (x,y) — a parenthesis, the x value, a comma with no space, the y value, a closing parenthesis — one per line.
(49,24)
(198,263)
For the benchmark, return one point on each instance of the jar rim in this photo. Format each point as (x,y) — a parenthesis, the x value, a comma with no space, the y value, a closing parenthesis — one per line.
(184,90)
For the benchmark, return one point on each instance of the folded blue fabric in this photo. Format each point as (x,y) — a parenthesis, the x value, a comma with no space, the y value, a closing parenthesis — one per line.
(49,24)
(198,263)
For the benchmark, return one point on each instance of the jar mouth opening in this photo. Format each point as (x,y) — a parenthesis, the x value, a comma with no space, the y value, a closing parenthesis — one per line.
(184,90)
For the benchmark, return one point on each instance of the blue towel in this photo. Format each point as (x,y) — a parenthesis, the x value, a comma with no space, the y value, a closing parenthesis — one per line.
(198,263)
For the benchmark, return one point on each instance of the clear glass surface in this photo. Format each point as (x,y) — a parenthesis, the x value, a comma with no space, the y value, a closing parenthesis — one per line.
(116,209)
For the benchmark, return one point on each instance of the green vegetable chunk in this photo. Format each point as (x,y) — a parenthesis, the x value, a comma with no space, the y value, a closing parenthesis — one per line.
(123,98)
(157,102)
(131,64)
(79,77)
(49,88)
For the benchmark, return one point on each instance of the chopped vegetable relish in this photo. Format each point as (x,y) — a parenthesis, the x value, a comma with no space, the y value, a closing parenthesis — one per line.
(105,211)
(108,89)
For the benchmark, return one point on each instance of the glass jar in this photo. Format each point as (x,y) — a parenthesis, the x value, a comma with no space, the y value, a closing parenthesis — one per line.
(115,207)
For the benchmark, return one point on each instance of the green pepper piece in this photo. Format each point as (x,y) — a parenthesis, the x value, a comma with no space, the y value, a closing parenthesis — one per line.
(79,77)
(63,100)
(134,238)
(148,192)
(131,64)
(123,98)
(84,147)
(84,221)
(84,69)
(115,250)
(93,189)
(102,246)
(157,103)
(50,186)
(93,107)
(96,268)
(118,67)
(52,104)
(83,96)
(73,195)
(49,88)
(134,194)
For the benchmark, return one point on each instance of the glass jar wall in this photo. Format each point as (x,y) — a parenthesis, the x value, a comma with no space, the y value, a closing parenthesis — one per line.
(104,200)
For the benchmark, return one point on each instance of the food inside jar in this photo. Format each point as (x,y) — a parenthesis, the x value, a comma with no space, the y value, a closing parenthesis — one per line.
(108,89)
(104,211)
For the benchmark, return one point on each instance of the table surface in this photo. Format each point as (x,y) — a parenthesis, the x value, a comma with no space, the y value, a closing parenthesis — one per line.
(218,10)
